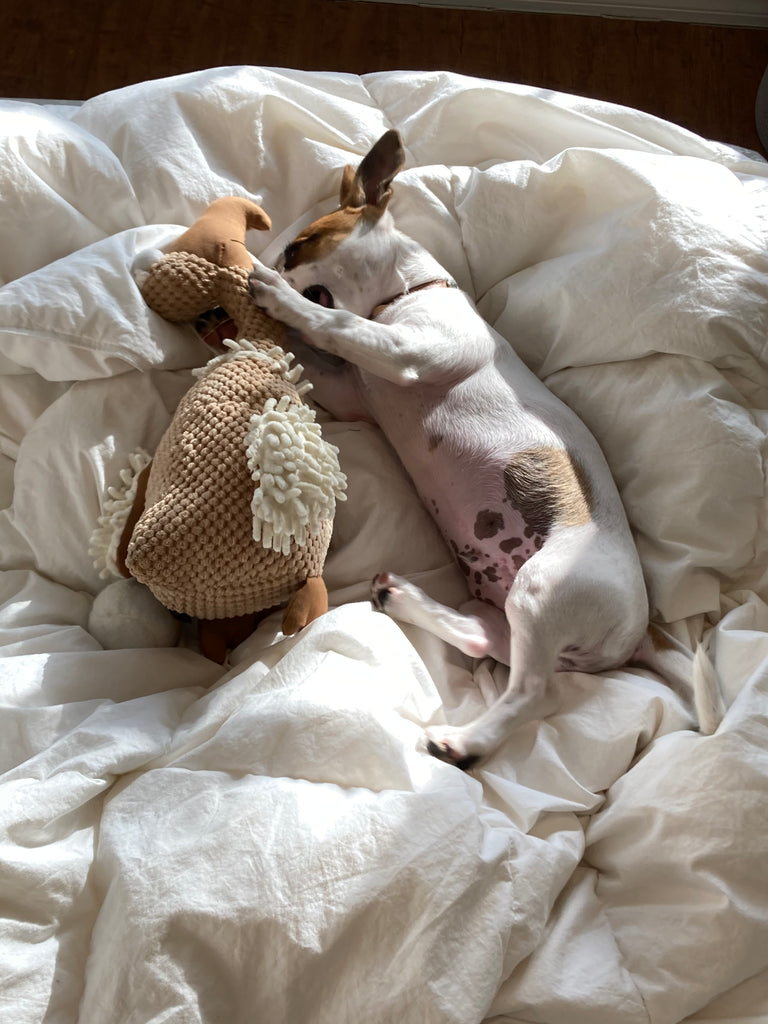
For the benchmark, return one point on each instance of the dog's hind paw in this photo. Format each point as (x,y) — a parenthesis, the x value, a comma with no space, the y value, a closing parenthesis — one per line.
(445,745)
(385,590)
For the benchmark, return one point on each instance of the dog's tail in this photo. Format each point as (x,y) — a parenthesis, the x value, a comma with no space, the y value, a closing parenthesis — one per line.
(693,677)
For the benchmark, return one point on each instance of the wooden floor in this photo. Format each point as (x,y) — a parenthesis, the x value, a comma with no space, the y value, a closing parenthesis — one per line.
(703,77)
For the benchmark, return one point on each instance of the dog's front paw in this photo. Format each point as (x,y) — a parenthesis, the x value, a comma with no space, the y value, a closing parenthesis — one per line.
(269,290)
(266,276)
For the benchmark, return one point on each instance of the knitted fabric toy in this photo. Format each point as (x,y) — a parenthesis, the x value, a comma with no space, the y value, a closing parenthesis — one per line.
(233,516)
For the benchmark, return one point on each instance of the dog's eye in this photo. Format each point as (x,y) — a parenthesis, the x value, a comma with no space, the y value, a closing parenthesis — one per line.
(293,249)
(319,293)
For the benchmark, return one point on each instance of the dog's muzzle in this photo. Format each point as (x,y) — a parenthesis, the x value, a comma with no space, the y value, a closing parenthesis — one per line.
(319,294)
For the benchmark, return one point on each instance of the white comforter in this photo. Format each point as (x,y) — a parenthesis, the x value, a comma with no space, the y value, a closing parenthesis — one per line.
(269,841)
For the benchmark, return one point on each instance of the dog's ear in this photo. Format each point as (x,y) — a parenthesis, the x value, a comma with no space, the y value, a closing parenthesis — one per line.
(370,184)
(350,194)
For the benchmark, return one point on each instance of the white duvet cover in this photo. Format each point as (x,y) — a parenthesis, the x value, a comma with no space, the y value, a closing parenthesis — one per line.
(269,841)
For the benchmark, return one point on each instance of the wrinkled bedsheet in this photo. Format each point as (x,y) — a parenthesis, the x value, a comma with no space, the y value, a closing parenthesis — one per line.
(268,840)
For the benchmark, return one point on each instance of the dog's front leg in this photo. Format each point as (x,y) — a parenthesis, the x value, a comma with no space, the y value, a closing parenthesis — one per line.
(272,293)
(377,348)
(335,383)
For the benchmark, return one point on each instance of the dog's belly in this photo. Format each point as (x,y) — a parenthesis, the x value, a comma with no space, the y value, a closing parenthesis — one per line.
(488,537)
(456,448)
(490,545)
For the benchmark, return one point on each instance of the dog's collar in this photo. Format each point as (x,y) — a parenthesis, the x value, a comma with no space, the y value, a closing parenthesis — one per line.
(439,282)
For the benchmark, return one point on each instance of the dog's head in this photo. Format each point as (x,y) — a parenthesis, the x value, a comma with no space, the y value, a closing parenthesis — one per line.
(347,259)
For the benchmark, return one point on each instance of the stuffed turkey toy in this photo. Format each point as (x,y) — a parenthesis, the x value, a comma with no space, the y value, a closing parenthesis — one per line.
(233,514)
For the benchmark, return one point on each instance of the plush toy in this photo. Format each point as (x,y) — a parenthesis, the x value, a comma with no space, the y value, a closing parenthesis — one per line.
(233,515)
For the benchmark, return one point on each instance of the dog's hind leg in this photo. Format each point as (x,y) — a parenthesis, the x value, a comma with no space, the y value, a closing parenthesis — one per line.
(526,698)
(478,629)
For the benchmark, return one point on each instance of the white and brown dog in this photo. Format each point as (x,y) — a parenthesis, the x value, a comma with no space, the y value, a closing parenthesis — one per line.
(516,483)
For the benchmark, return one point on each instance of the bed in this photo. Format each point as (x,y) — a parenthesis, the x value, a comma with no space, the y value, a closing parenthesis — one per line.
(268,840)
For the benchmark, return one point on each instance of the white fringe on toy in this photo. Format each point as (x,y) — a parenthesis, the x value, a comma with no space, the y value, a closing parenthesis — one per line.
(296,472)
(277,359)
(117,506)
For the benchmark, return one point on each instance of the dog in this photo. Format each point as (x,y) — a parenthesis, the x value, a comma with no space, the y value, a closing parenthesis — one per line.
(514,480)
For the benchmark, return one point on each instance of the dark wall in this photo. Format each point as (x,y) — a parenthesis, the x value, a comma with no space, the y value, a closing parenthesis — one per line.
(703,77)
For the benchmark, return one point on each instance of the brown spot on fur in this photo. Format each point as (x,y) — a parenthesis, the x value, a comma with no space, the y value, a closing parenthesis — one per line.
(510,544)
(321,237)
(549,487)
(435,440)
(488,524)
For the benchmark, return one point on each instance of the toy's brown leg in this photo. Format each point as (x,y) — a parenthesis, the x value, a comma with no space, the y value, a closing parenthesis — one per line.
(133,518)
(309,602)
(217,636)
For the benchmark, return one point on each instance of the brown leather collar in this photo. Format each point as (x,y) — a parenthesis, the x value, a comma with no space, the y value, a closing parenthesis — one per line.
(440,282)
